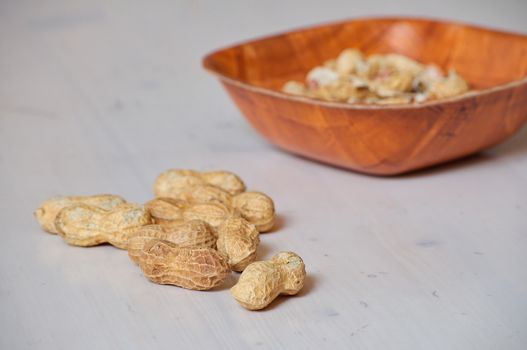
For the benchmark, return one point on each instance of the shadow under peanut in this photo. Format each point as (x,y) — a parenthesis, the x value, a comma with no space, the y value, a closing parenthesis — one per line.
(264,252)
(230,281)
(280,222)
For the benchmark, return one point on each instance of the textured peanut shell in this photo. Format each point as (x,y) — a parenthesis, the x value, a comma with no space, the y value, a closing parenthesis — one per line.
(225,180)
(193,233)
(164,262)
(238,240)
(166,210)
(204,194)
(257,208)
(171,182)
(84,225)
(213,214)
(47,212)
(453,85)
(174,181)
(261,282)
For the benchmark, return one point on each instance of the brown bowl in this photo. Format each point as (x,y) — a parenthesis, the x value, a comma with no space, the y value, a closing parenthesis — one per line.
(382,140)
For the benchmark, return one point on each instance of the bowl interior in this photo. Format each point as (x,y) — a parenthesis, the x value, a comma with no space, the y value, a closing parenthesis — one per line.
(485,58)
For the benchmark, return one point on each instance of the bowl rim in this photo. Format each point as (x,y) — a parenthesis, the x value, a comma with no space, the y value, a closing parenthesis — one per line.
(206,63)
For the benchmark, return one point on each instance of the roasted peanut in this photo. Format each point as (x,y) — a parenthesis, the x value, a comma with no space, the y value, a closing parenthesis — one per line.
(85,225)
(261,282)
(378,79)
(47,212)
(238,241)
(256,207)
(452,85)
(225,180)
(167,210)
(192,233)
(201,226)
(171,182)
(237,238)
(204,194)
(295,88)
(349,61)
(213,214)
(164,262)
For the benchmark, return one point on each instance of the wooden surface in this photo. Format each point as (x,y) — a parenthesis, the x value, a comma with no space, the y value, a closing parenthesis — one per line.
(381,140)
(100,96)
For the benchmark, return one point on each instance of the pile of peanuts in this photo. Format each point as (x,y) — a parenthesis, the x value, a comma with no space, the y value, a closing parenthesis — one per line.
(377,79)
(199,228)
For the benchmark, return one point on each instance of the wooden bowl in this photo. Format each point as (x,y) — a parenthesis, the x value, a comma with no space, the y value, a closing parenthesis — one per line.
(382,140)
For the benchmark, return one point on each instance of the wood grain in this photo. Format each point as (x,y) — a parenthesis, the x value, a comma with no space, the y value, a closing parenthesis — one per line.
(382,140)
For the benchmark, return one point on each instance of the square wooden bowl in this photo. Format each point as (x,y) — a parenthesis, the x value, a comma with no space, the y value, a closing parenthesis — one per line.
(380,139)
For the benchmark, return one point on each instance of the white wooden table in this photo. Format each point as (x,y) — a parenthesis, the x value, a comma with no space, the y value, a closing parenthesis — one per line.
(101,96)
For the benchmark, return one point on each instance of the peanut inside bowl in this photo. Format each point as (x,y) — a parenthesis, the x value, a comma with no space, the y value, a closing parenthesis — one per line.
(376,138)
(476,54)
(378,79)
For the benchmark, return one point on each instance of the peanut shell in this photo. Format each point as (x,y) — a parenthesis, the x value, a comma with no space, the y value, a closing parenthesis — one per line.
(212,213)
(174,181)
(257,208)
(47,212)
(164,262)
(238,241)
(261,282)
(166,210)
(193,233)
(84,225)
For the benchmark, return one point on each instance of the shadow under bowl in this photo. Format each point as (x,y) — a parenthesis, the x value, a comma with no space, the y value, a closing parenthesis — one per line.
(381,139)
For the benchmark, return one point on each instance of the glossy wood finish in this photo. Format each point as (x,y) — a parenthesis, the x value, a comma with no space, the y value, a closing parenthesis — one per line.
(382,140)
